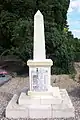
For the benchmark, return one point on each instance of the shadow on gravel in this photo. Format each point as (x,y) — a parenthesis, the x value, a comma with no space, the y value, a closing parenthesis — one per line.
(7,96)
(75,92)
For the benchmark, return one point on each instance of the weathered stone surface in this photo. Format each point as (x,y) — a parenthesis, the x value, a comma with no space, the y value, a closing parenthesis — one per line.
(37,110)
(15,110)
(43,98)
(40,111)
(39,38)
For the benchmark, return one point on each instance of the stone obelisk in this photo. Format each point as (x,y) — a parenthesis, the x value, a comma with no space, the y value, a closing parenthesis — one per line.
(39,67)
(39,37)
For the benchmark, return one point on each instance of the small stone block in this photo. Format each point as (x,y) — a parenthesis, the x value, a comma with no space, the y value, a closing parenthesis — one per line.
(55,97)
(56,92)
(65,109)
(28,100)
(41,111)
(63,114)
(49,100)
(34,93)
(14,110)
(17,113)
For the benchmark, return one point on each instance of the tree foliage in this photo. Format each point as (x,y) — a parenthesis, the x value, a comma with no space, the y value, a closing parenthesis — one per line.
(16,31)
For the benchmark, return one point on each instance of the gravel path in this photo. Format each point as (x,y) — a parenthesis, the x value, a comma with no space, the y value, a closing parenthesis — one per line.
(16,85)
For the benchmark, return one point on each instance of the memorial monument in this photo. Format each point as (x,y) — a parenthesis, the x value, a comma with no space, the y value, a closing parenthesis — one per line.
(42,100)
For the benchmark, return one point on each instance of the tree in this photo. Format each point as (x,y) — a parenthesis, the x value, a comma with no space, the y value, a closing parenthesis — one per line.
(16,30)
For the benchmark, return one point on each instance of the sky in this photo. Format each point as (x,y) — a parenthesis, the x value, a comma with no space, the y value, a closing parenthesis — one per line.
(73,17)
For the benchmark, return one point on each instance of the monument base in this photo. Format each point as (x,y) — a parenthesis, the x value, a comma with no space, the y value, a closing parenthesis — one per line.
(45,105)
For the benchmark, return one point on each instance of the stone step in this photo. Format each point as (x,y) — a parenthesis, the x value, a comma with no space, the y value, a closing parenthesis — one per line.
(63,110)
(43,98)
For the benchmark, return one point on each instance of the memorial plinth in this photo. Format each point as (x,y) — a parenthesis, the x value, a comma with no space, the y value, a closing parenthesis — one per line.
(42,100)
(39,74)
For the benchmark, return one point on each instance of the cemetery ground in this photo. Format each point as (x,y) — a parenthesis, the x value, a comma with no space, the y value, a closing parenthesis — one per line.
(21,83)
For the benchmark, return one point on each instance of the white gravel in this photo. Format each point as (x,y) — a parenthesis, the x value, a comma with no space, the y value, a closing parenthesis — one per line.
(16,85)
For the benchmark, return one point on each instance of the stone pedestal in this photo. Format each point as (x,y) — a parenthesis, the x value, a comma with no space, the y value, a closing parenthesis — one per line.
(43,100)
(41,105)
(39,74)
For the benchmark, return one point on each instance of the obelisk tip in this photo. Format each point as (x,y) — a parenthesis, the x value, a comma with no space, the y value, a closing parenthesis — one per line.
(38,13)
